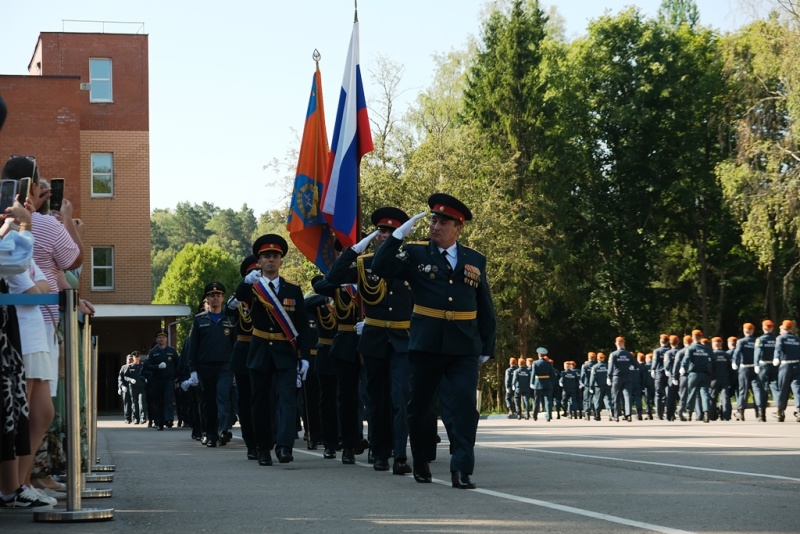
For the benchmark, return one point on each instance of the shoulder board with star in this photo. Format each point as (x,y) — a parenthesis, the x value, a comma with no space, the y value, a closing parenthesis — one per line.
(468,249)
(288,283)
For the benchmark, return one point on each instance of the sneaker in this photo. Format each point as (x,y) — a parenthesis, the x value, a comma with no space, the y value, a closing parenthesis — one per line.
(42,495)
(25,499)
(55,494)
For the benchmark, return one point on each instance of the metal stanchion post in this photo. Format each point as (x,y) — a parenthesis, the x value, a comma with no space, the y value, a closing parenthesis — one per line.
(91,422)
(98,467)
(73,512)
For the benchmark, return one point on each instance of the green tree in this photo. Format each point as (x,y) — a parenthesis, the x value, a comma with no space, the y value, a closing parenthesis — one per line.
(233,231)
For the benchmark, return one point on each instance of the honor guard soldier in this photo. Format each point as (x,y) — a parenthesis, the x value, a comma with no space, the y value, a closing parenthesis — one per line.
(509,381)
(241,348)
(763,355)
(696,365)
(620,365)
(598,386)
(744,363)
(279,342)
(720,407)
(208,361)
(659,376)
(383,341)
(542,384)
(162,365)
(453,329)
(583,383)
(321,309)
(787,359)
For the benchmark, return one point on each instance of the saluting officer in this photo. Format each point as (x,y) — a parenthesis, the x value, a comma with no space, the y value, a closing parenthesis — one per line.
(453,328)
(383,341)
(162,365)
(787,359)
(280,340)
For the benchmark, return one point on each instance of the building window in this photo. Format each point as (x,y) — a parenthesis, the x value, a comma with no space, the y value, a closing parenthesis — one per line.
(102,175)
(103,268)
(100,81)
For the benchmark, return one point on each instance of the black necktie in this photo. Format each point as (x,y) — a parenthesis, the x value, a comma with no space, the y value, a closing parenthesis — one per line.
(272,286)
(447,262)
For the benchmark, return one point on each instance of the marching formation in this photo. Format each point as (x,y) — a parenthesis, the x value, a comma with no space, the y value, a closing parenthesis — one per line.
(672,382)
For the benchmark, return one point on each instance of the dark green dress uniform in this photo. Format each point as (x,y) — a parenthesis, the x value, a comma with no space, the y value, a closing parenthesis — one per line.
(542,386)
(453,323)
(383,343)
(344,351)
(319,308)
(273,361)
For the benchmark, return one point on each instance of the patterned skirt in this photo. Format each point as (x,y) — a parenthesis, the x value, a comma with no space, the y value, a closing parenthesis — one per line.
(15,435)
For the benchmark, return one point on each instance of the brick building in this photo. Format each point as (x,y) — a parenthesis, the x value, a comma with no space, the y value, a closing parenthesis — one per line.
(83,111)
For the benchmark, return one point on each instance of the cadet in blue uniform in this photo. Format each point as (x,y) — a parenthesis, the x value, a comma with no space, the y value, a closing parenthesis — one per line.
(383,342)
(124,390)
(542,385)
(583,384)
(696,365)
(657,372)
(523,395)
(763,354)
(672,382)
(453,328)
(599,388)
(208,349)
(787,359)
(620,365)
(162,364)
(569,388)
(509,381)
(718,391)
(637,385)
(744,362)
(681,379)
(649,385)
(280,340)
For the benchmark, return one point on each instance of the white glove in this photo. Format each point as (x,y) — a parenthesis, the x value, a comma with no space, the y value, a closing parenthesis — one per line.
(776,362)
(362,245)
(631,368)
(581,385)
(193,378)
(162,365)
(591,391)
(252,277)
(124,389)
(682,371)
(608,381)
(119,391)
(735,366)
(652,374)
(185,385)
(233,303)
(303,369)
(132,380)
(561,383)
(757,369)
(668,373)
(359,327)
(407,227)
(482,359)
(674,382)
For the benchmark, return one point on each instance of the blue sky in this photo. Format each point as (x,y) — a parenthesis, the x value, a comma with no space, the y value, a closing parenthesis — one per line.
(230,81)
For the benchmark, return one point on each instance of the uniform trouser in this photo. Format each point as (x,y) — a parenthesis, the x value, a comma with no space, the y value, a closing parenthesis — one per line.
(636,399)
(225,401)
(160,389)
(328,411)
(347,374)
(195,410)
(683,392)
(139,403)
(510,405)
(210,378)
(672,399)
(720,398)
(264,384)
(768,376)
(697,383)
(181,405)
(621,395)
(660,393)
(169,399)
(649,391)
(244,406)
(570,400)
(524,401)
(748,380)
(311,402)
(150,400)
(789,377)
(387,386)
(588,400)
(461,372)
(543,399)
(127,405)
(601,394)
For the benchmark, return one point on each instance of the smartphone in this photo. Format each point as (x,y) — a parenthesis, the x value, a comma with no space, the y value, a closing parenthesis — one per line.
(23,190)
(56,193)
(8,192)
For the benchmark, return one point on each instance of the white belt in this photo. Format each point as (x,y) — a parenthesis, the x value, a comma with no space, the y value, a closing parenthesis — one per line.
(748,365)
(789,361)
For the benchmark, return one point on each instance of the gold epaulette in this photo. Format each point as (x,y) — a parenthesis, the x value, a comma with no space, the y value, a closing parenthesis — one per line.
(417,242)
(366,255)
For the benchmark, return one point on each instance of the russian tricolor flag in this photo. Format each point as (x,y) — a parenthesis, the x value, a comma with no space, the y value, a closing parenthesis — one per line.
(351,140)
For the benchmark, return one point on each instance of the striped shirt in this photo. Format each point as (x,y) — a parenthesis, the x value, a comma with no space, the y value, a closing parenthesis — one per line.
(53,251)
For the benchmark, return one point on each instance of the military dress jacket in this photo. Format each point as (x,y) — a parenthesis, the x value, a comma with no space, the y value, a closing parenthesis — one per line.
(453,312)
(321,311)
(347,312)
(387,304)
(269,346)
(158,355)
(209,343)
(542,375)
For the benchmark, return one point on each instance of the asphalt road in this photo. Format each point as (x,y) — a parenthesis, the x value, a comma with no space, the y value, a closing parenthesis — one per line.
(562,476)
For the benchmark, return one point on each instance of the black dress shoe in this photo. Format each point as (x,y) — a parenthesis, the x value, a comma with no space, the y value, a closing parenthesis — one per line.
(329,454)
(311,445)
(380,464)
(251,453)
(400,467)
(371,458)
(461,480)
(422,473)
(210,443)
(284,455)
(264,458)
(348,457)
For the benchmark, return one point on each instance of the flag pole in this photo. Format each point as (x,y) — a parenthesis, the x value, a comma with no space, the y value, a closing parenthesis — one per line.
(358,168)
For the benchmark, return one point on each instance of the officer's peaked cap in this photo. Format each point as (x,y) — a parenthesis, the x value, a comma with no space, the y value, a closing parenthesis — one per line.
(270,243)
(448,206)
(389,217)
